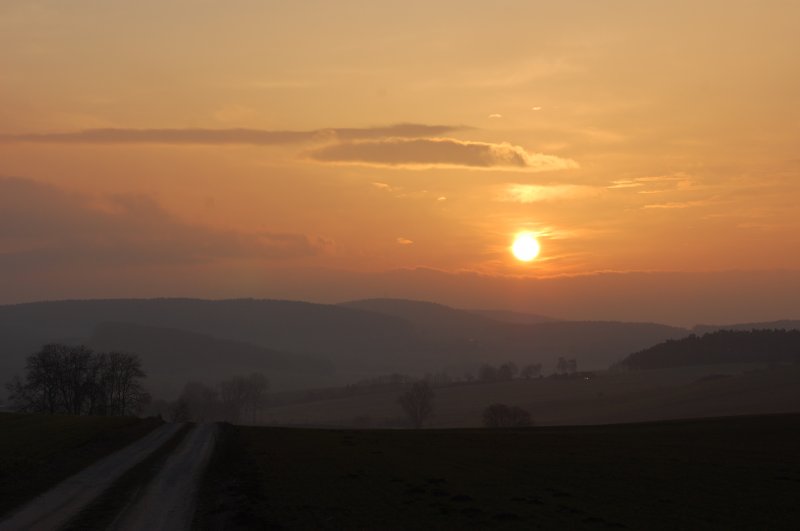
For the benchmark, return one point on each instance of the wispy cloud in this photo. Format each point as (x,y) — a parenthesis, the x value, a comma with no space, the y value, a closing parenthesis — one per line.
(534,193)
(416,153)
(679,204)
(228,136)
(656,184)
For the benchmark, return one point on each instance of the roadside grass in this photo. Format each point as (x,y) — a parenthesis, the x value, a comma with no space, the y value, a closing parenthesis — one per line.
(722,473)
(229,493)
(39,451)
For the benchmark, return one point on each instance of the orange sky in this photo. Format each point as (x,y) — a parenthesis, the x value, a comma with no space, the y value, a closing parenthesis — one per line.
(166,139)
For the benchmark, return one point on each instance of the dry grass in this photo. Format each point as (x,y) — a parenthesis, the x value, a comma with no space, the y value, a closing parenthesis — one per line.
(38,451)
(733,473)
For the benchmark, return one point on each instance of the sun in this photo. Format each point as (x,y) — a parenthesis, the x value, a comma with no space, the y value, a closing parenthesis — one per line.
(525,247)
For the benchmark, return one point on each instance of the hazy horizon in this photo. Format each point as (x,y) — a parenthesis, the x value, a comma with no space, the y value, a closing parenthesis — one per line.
(333,151)
(678,299)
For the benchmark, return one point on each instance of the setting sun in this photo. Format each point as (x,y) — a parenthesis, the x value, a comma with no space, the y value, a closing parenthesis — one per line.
(525,247)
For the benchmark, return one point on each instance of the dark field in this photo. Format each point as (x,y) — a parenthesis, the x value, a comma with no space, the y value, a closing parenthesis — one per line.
(38,451)
(607,398)
(732,473)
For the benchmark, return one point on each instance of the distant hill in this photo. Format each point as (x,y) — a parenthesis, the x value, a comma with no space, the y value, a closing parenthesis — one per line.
(770,325)
(280,325)
(172,357)
(459,335)
(514,317)
(425,315)
(721,347)
(359,339)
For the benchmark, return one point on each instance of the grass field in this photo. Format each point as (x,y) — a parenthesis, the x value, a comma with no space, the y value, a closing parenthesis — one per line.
(732,473)
(38,451)
(611,397)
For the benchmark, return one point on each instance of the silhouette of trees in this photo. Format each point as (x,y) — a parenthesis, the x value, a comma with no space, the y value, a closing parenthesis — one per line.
(256,389)
(567,367)
(533,370)
(234,400)
(76,380)
(723,346)
(243,395)
(501,373)
(417,403)
(507,371)
(438,378)
(503,416)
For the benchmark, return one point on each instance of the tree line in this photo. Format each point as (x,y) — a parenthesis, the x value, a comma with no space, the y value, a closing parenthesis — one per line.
(239,399)
(76,380)
(505,372)
(417,403)
(723,346)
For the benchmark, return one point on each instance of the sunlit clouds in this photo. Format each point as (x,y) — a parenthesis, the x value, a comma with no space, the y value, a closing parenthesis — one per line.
(373,137)
(534,193)
(440,152)
(223,136)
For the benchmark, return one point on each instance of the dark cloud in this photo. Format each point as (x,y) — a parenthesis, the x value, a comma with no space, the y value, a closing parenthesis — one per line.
(227,136)
(441,152)
(42,226)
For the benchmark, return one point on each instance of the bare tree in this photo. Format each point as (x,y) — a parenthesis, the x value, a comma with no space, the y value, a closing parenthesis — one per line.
(417,403)
(39,392)
(76,380)
(233,396)
(503,416)
(126,395)
(256,389)
(507,371)
(572,366)
(533,370)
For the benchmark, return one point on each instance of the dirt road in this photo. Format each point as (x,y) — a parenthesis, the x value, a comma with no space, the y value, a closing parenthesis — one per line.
(169,500)
(55,507)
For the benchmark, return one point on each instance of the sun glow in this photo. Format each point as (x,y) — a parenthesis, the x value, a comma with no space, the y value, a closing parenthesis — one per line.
(525,247)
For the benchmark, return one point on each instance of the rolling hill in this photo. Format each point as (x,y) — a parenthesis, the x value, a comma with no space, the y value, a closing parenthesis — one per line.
(770,325)
(357,339)
(515,317)
(459,335)
(721,347)
(172,357)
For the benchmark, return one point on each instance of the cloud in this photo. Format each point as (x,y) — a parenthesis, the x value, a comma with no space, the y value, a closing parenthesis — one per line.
(534,193)
(42,226)
(418,153)
(678,204)
(227,136)
(404,241)
(495,115)
(656,184)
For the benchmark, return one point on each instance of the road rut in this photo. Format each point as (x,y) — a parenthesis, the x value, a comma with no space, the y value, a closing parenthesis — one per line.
(169,500)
